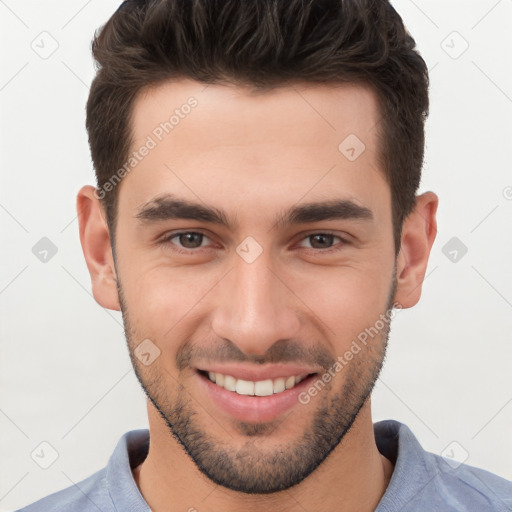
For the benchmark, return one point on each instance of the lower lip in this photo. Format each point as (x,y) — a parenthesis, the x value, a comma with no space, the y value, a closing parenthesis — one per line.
(250,408)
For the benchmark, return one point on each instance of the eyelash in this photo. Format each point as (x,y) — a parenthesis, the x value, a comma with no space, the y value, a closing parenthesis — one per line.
(167,240)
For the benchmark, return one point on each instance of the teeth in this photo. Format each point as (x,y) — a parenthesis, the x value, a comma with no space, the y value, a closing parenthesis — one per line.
(279,385)
(244,387)
(260,388)
(229,383)
(290,382)
(219,379)
(264,387)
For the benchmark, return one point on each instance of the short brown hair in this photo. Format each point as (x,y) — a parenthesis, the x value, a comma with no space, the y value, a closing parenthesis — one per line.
(261,44)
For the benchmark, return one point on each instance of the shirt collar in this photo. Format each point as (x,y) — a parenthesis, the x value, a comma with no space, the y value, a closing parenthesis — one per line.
(413,468)
(130,451)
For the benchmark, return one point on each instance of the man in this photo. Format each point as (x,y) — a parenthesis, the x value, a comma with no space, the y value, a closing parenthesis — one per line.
(256,221)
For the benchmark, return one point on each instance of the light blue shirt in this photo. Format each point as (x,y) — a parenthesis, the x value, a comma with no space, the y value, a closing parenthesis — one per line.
(421,481)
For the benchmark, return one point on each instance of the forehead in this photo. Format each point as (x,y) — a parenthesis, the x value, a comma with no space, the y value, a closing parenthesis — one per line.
(289,141)
(312,111)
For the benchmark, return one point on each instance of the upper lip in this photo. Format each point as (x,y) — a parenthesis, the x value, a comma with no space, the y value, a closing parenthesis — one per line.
(257,373)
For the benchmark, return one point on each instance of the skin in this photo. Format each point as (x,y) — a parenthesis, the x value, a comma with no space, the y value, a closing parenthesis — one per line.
(235,151)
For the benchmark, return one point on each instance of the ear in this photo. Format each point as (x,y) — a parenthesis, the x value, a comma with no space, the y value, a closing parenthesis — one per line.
(95,240)
(418,234)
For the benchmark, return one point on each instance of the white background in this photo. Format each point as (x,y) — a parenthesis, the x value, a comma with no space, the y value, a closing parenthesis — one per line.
(65,374)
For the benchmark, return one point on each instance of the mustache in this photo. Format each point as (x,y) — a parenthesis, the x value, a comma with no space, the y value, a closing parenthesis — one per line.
(285,351)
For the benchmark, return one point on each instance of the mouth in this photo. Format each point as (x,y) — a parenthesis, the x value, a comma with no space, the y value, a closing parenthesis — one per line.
(265,387)
(258,400)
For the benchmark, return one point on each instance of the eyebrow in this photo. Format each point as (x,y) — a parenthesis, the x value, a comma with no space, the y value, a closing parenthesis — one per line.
(168,207)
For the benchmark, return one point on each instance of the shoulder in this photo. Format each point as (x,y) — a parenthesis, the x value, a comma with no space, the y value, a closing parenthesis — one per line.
(90,494)
(109,489)
(466,487)
(423,480)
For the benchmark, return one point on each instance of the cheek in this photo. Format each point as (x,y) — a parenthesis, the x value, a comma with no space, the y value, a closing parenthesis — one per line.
(164,300)
(343,302)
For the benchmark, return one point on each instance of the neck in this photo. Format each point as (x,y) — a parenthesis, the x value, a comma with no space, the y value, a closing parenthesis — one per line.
(353,477)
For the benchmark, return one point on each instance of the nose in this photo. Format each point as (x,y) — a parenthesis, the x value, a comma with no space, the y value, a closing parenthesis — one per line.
(255,306)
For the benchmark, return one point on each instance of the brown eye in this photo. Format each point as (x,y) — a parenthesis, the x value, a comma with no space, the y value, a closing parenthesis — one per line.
(185,241)
(323,241)
(190,240)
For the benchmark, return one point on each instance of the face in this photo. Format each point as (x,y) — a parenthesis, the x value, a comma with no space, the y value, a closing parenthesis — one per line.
(253,248)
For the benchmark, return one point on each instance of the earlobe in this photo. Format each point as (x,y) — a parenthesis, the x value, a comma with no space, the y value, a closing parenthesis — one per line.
(418,234)
(95,240)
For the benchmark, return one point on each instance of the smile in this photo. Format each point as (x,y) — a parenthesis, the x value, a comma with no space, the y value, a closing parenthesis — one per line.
(265,387)
(252,393)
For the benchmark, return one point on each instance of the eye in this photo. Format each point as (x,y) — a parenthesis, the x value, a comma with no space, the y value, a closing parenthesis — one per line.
(188,240)
(323,241)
